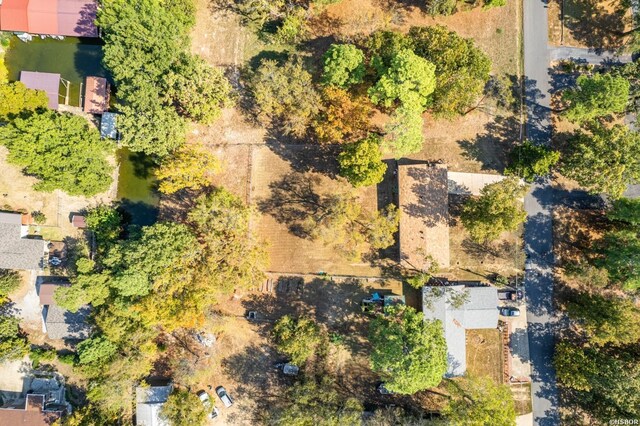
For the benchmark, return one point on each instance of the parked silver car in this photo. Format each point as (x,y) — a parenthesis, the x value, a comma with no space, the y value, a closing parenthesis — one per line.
(224,396)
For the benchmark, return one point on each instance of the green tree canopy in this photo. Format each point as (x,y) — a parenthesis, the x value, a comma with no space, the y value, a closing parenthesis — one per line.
(343,65)
(605,380)
(106,224)
(621,257)
(9,281)
(461,68)
(606,319)
(498,209)
(197,90)
(404,132)
(317,403)
(297,338)
(18,100)
(626,211)
(361,162)
(146,124)
(183,408)
(144,44)
(409,79)
(530,161)
(596,96)
(480,401)
(285,93)
(383,46)
(408,352)
(13,344)
(603,160)
(61,150)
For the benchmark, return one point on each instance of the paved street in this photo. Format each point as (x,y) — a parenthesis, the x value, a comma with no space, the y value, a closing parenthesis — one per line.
(538,229)
(541,317)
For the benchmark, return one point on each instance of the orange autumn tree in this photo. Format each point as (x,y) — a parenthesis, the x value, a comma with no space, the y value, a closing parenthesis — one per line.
(342,118)
(189,167)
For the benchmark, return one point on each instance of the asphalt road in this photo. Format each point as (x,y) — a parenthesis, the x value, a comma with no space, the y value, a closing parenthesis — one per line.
(538,233)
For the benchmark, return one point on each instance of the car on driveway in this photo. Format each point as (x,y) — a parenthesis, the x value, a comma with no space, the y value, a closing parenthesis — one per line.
(224,396)
(508,311)
(208,405)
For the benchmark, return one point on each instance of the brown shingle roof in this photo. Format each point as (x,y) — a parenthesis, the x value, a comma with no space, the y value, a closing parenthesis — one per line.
(424,215)
(96,95)
(31,415)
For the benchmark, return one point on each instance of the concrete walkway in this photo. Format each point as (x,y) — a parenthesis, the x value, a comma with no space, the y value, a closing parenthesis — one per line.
(586,55)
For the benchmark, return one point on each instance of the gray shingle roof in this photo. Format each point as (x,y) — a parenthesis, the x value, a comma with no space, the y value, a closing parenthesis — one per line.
(17,252)
(477,309)
(62,324)
(149,402)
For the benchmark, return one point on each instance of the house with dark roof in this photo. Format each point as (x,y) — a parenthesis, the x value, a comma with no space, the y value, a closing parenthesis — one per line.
(32,413)
(58,322)
(17,250)
(460,307)
(74,18)
(149,402)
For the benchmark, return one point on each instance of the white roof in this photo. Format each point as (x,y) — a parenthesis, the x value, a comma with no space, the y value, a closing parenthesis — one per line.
(149,402)
(460,308)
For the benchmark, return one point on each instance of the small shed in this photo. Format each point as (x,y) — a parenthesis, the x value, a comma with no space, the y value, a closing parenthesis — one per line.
(78,221)
(45,81)
(96,95)
(108,125)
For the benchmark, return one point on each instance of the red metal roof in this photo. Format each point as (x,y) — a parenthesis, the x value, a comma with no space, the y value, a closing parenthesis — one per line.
(52,17)
(42,16)
(14,15)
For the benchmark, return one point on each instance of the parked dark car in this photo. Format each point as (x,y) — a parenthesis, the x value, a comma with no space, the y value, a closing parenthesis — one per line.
(383,390)
(508,311)
(224,396)
(509,294)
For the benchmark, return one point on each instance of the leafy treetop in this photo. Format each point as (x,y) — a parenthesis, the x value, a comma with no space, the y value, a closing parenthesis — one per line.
(343,65)
(61,150)
(408,352)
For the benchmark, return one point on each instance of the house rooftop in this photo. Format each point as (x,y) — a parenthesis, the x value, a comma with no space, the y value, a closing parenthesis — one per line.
(33,413)
(45,81)
(74,18)
(458,308)
(149,402)
(17,252)
(63,324)
(424,215)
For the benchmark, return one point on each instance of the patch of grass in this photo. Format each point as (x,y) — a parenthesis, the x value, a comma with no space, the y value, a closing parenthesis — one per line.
(49,233)
(484,353)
